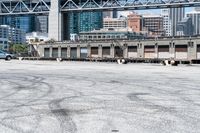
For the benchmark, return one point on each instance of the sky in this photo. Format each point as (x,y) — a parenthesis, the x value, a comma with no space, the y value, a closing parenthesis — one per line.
(150,11)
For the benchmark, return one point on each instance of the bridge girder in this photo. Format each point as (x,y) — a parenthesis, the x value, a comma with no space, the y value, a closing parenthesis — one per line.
(91,5)
(14,7)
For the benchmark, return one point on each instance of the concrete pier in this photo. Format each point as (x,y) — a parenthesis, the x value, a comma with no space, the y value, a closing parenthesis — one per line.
(179,49)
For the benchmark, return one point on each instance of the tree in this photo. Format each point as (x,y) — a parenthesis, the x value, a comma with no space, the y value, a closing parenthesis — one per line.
(18,48)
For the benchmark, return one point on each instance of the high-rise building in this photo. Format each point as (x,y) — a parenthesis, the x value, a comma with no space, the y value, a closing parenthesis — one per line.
(110,14)
(176,15)
(114,22)
(134,22)
(89,21)
(41,24)
(107,14)
(153,24)
(25,23)
(82,22)
(73,21)
(1,20)
(166,22)
(10,35)
(195,16)
(184,27)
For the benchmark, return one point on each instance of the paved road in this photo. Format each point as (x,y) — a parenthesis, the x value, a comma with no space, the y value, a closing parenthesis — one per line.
(82,97)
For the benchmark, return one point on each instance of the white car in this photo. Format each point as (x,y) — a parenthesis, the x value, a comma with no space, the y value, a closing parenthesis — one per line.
(5,55)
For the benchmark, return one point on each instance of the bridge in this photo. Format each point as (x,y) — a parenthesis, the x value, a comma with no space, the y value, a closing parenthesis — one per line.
(15,7)
(56,8)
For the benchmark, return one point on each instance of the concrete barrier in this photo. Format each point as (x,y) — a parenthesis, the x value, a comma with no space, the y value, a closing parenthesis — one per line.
(58,59)
(121,61)
(169,63)
(20,58)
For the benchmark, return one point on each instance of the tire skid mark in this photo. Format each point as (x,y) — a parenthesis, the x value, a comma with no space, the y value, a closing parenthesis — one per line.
(33,86)
(66,123)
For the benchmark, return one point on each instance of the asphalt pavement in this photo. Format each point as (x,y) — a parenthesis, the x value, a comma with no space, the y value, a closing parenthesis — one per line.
(84,97)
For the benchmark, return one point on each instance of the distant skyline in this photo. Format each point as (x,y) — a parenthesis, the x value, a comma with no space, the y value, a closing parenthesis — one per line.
(150,11)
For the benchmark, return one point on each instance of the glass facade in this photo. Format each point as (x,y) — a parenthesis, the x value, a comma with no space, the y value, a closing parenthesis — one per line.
(26,23)
(73,23)
(176,15)
(90,21)
(41,24)
(83,22)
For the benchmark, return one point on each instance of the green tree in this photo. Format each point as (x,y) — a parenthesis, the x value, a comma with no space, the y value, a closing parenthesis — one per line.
(18,48)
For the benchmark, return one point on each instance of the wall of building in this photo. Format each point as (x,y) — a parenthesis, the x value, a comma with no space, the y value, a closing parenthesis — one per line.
(180,49)
(134,22)
(176,15)
(153,24)
(195,16)
(166,22)
(114,23)
(13,35)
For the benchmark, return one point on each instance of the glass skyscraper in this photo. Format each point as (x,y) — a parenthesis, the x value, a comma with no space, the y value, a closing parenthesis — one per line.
(41,24)
(176,15)
(89,21)
(83,22)
(73,23)
(25,23)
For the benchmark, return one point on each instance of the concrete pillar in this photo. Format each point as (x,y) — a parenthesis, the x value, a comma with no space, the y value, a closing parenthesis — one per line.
(59,51)
(88,50)
(156,50)
(78,51)
(40,50)
(192,50)
(100,51)
(68,51)
(125,51)
(172,49)
(55,21)
(140,47)
(50,51)
(112,51)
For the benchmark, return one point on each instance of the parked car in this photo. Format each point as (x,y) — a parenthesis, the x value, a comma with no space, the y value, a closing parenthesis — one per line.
(6,55)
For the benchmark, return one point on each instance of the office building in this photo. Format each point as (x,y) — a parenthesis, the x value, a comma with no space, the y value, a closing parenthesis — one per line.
(165,13)
(114,22)
(153,24)
(25,23)
(82,22)
(89,21)
(41,24)
(134,21)
(176,15)
(110,14)
(110,34)
(10,35)
(184,27)
(195,16)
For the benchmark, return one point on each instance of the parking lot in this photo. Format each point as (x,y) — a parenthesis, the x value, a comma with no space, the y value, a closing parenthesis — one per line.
(84,97)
